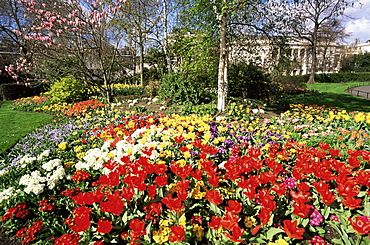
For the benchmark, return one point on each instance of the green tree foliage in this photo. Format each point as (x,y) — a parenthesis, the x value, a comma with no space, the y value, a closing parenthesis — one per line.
(356,63)
(196,55)
(195,80)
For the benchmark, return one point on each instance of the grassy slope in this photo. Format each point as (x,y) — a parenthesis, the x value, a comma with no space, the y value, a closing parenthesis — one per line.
(334,95)
(15,125)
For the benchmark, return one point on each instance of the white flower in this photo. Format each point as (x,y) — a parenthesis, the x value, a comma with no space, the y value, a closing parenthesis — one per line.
(155,99)
(220,118)
(43,154)
(37,189)
(222,165)
(3,172)
(6,194)
(50,165)
(27,159)
(255,111)
(33,182)
(261,111)
(162,108)
(58,174)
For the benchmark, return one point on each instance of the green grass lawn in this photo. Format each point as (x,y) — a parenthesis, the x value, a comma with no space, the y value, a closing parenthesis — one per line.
(334,95)
(15,124)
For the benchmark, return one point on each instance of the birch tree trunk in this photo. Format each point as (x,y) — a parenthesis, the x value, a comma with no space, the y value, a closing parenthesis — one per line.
(311,80)
(222,68)
(165,34)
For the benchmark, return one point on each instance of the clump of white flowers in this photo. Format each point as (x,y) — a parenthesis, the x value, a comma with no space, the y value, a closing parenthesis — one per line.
(44,154)
(144,138)
(33,182)
(11,192)
(36,181)
(50,165)
(54,177)
(26,159)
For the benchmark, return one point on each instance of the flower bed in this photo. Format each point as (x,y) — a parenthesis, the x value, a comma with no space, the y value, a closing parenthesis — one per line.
(120,178)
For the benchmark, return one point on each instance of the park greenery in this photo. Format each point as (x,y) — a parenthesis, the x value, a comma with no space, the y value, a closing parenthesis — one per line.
(195,147)
(143,171)
(102,43)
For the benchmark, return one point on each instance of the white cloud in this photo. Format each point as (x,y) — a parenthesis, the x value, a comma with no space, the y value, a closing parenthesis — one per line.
(359,26)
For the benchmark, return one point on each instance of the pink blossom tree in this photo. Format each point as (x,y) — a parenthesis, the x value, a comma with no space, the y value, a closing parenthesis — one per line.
(79,38)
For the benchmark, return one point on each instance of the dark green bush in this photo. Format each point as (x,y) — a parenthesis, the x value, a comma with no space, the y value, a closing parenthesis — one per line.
(68,89)
(249,81)
(350,77)
(333,77)
(292,84)
(180,89)
(12,91)
(356,63)
(6,79)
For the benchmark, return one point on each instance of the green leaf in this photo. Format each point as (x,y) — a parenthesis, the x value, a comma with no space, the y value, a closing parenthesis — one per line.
(272,232)
(304,222)
(216,210)
(320,230)
(147,237)
(367,209)
(337,241)
(346,239)
(271,221)
(326,212)
(124,218)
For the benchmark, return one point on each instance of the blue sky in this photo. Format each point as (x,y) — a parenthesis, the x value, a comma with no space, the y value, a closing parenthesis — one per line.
(359,27)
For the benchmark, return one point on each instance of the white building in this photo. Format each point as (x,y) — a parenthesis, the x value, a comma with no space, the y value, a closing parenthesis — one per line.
(298,52)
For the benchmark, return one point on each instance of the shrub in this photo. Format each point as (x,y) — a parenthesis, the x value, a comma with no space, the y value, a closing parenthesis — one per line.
(181,89)
(249,81)
(68,89)
(152,88)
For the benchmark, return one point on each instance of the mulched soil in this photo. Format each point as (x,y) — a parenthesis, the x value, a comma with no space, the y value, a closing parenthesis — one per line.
(7,239)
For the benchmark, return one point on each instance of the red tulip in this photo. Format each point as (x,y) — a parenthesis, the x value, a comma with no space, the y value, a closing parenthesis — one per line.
(229,221)
(237,232)
(213,196)
(138,228)
(361,224)
(177,234)
(291,229)
(215,223)
(233,207)
(104,226)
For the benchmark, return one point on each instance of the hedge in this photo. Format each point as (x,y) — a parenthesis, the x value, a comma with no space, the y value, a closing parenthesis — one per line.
(12,91)
(332,77)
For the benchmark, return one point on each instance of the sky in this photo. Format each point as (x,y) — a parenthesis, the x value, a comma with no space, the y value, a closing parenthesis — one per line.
(359,27)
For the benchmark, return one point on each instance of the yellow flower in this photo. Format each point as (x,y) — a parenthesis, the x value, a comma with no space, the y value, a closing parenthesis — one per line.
(165,222)
(249,221)
(80,155)
(281,241)
(187,154)
(360,117)
(197,194)
(182,220)
(181,162)
(68,165)
(63,145)
(199,232)
(110,155)
(160,236)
